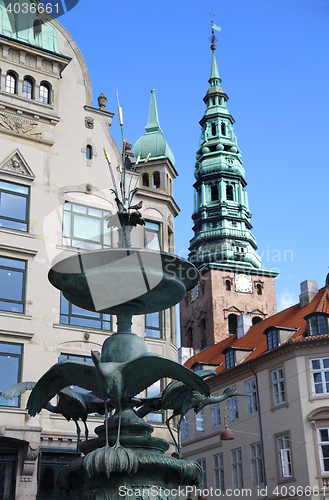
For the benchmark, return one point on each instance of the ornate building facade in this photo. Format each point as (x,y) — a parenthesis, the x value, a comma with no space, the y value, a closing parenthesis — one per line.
(55,191)
(233,291)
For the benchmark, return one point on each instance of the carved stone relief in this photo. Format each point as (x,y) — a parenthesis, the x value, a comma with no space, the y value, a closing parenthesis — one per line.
(16,164)
(17,124)
(47,66)
(89,122)
(13,55)
(31,61)
(30,461)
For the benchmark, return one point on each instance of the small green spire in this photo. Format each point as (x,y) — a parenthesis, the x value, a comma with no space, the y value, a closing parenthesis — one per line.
(153,123)
(214,69)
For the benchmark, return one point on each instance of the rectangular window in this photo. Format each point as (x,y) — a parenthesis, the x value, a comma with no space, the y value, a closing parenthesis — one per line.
(10,369)
(153,326)
(8,467)
(323,437)
(151,392)
(14,206)
(152,239)
(233,408)
(76,316)
(12,284)
(279,394)
(257,463)
(215,414)
(203,466)
(229,359)
(219,472)
(50,464)
(320,375)
(85,227)
(283,443)
(184,427)
(272,339)
(252,398)
(237,468)
(199,422)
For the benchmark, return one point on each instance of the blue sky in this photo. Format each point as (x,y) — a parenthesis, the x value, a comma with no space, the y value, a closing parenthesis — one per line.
(272,56)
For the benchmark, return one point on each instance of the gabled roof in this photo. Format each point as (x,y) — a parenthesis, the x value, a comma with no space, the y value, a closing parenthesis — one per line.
(256,341)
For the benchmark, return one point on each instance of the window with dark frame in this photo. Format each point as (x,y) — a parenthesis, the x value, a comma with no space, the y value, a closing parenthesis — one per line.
(318,324)
(229,358)
(85,227)
(257,464)
(8,468)
(13,279)
(14,206)
(76,316)
(11,83)
(237,468)
(272,339)
(219,472)
(151,392)
(152,239)
(28,88)
(153,325)
(203,464)
(89,152)
(44,93)
(10,369)
(50,463)
(323,438)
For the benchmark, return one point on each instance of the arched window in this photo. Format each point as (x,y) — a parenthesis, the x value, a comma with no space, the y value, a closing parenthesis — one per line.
(228,285)
(232,324)
(214,193)
(11,82)
(203,333)
(145,178)
(223,128)
(259,289)
(44,93)
(28,88)
(89,152)
(156,179)
(256,319)
(213,128)
(229,192)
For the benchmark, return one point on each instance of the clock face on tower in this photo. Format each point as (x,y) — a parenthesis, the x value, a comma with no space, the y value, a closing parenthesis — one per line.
(243,283)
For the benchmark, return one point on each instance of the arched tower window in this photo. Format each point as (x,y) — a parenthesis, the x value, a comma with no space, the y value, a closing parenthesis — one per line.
(228,285)
(213,129)
(232,324)
(89,152)
(189,337)
(259,289)
(44,92)
(214,193)
(256,319)
(223,128)
(229,193)
(145,178)
(203,333)
(11,82)
(156,179)
(28,88)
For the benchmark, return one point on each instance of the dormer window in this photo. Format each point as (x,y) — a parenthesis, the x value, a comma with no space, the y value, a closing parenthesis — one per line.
(229,359)
(272,339)
(317,324)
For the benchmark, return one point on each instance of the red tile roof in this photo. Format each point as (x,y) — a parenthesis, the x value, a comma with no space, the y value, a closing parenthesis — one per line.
(254,339)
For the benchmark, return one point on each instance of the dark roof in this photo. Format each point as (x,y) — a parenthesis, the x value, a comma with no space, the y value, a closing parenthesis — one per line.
(256,341)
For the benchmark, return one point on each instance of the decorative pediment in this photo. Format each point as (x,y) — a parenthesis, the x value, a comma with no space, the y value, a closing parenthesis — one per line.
(232,310)
(256,312)
(16,165)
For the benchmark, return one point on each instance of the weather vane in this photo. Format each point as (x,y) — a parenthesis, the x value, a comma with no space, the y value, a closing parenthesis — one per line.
(213,27)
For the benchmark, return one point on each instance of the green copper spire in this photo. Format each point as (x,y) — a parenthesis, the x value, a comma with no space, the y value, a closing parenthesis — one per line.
(153,141)
(222,229)
(153,124)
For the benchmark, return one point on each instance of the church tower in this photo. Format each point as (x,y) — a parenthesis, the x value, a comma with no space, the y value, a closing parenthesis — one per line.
(234,292)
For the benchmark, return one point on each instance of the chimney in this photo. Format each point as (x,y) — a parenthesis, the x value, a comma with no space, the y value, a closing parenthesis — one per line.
(308,289)
(185,353)
(244,323)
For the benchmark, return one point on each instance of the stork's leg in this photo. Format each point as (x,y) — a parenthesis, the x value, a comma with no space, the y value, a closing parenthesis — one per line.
(169,429)
(106,429)
(86,430)
(179,436)
(78,434)
(117,444)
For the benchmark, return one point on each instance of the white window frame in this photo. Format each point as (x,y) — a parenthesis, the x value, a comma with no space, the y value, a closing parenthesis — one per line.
(219,472)
(215,415)
(233,408)
(321,445)
(237,472)
(252,398)
(285,459)
(257,463)
(199,422)
(323,371)
(278,387)
(203,464)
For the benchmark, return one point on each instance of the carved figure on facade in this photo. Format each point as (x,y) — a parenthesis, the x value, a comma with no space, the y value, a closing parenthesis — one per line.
(89,122)
(16,124)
